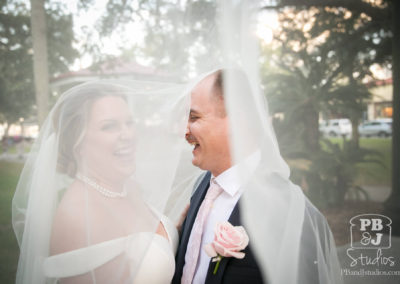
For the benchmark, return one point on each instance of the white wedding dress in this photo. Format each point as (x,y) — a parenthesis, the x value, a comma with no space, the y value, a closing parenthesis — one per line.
(159,256)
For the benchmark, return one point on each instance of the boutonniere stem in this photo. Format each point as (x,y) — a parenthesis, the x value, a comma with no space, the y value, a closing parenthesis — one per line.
(218,260)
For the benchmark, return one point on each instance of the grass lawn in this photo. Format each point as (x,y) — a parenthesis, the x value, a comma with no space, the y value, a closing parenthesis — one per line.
(14,148)
(9,173)
(372,173)
(11,150)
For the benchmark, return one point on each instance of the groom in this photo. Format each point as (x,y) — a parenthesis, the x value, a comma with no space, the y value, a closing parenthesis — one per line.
(207,130)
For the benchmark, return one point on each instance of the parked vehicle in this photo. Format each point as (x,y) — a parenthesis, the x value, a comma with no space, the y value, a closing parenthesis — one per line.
(336,127)
(379,127)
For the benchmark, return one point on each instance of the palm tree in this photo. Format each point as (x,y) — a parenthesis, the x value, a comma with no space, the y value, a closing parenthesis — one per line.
(40,61)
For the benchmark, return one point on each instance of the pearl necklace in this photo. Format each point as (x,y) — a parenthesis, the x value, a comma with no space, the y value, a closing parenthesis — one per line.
(104,191)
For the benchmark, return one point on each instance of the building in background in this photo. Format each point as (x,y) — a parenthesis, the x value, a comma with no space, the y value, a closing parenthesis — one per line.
(380,104)
(117,68)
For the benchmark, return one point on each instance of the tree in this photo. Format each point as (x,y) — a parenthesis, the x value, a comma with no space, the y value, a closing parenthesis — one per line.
(16,64)
(315,76)
(382,31)
(392,204)
(327,48)
(40,65)
(174,32)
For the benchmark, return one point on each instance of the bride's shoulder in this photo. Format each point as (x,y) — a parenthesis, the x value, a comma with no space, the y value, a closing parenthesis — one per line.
(72,204)
(69,220)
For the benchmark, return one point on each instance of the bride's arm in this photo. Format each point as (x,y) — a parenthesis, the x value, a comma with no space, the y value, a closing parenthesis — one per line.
(69,231)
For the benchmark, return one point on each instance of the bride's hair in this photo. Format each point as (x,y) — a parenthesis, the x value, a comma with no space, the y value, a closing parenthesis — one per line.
(70,121)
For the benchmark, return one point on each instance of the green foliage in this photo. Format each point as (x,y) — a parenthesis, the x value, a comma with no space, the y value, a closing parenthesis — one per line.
(334,169)
(173,31)
(9,173)
(16,65)
(325,54)
(60,39)
(292,94)
(325,51)
(372,173)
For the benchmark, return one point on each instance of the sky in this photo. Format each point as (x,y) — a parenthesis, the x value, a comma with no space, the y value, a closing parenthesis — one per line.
(267,21)
(88,20)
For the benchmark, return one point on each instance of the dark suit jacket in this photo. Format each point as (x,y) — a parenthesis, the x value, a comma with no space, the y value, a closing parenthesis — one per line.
(231,270)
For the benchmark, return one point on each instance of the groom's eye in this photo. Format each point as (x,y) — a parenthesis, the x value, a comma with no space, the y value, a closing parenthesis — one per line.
(193,117)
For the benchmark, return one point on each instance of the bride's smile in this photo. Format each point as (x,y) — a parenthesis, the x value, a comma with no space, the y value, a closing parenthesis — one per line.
(108,146)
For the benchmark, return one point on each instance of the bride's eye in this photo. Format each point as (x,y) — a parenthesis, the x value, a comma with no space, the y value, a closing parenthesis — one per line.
(130,123)
(109,126)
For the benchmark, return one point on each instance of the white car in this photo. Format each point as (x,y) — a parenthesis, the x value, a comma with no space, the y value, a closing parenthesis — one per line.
(336,127)
(378,127)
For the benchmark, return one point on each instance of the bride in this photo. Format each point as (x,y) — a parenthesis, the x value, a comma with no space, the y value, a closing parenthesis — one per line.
(90,205)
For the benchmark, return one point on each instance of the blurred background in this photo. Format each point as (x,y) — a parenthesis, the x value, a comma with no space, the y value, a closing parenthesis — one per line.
(329,70)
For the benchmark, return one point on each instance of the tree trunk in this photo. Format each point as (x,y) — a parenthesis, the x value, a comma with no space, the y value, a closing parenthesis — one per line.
(40,67)
(392,207)
(7,129)
(311,134)
(355,135)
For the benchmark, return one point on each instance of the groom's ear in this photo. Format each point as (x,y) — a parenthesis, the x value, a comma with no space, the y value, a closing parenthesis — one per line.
(218,93)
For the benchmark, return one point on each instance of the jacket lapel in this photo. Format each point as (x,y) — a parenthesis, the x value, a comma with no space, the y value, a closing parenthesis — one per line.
(234,219)
(195,203)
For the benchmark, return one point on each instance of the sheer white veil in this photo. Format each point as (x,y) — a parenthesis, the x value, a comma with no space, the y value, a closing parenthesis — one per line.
(290,238)
(140,149)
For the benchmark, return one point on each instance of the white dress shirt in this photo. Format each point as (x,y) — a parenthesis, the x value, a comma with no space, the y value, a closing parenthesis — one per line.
(222,208)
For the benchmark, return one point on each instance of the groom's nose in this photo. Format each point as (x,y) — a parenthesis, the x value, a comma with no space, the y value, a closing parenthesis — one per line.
(187,129)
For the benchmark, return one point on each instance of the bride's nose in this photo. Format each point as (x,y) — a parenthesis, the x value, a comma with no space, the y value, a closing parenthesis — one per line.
(126,133)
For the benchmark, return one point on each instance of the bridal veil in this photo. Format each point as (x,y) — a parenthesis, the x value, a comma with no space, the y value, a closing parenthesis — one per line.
(99,176)
(150,162)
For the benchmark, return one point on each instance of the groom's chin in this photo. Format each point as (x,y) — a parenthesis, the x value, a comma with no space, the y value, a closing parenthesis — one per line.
(196,162)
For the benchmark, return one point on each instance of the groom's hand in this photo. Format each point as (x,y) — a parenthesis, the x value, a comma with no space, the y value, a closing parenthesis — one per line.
(182,218)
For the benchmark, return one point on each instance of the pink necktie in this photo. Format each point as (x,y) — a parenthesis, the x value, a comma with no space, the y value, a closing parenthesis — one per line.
(193,250)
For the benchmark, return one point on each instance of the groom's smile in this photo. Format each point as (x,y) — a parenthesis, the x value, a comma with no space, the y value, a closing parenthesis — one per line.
(207,128)
(192,141)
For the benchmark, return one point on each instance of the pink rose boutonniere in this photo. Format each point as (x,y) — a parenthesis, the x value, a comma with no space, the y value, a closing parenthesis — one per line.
(228,242)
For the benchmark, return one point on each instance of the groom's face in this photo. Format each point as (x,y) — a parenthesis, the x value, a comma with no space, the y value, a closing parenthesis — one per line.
(208,128)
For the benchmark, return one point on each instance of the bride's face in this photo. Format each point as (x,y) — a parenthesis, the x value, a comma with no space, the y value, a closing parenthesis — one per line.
(107,149)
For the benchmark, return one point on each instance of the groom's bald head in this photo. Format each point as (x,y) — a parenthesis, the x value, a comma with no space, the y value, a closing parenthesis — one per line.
(208,127)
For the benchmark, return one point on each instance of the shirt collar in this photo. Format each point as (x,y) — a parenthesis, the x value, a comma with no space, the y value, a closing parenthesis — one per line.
(230,180)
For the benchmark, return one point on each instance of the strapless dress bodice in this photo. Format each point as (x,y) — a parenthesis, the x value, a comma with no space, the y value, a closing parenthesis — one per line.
(152,254)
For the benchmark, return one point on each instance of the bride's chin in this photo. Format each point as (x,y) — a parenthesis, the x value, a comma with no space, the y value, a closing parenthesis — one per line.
(126,171)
